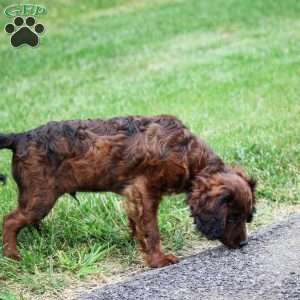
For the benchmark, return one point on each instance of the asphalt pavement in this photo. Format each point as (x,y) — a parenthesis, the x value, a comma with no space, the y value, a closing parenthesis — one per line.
(267,268)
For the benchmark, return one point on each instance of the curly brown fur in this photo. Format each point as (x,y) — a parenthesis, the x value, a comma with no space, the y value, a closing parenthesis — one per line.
(141,158)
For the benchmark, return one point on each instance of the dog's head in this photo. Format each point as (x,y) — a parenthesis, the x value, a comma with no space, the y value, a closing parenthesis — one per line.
(221,204)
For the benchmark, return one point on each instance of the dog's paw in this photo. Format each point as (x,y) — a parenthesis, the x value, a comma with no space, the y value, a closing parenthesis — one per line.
(24,33)
(12,254)
(172,259)
(163,260)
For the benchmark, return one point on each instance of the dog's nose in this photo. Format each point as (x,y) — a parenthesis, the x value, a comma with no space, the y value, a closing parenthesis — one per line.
(243,243)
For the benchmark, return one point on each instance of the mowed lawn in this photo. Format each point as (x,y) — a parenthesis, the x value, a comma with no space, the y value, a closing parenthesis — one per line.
(229,69)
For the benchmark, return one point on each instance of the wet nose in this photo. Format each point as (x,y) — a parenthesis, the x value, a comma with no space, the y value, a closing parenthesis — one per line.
(243,243)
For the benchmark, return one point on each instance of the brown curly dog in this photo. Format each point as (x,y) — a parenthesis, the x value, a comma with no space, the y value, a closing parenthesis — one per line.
(141,158)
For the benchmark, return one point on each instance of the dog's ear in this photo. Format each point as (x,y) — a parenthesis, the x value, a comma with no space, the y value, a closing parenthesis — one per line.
(208,203)
(214,214)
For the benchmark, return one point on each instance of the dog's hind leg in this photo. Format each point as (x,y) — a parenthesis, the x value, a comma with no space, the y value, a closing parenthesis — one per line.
(33,208)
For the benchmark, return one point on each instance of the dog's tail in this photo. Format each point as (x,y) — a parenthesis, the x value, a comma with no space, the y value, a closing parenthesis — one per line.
(8,141)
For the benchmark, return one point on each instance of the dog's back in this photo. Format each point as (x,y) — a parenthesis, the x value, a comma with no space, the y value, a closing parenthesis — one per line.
(70,130)
(62,137)
(80,151)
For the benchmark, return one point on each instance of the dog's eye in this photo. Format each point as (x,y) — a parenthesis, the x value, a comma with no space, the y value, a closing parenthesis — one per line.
(225,199)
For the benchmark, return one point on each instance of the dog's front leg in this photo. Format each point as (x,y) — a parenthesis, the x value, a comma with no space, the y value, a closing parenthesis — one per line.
(142,208)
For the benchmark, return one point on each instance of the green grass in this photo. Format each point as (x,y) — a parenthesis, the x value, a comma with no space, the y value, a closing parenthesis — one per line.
(229,69)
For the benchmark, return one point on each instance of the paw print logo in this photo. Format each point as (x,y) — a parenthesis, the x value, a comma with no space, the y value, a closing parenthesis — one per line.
(24,32)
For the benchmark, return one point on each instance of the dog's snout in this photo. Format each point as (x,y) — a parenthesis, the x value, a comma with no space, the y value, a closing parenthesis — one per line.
(243,243)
